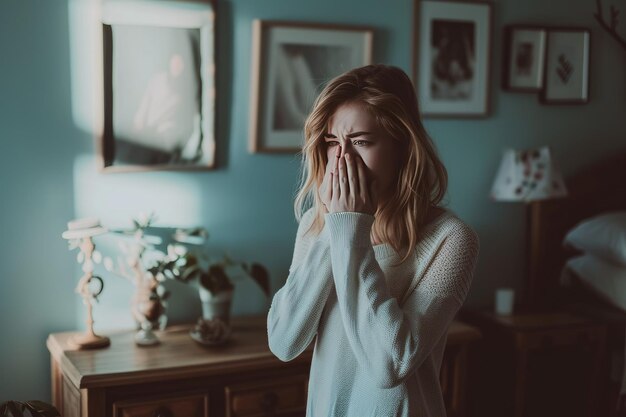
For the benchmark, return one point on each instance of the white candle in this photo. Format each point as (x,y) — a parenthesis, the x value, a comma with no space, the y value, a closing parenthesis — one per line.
(504,301)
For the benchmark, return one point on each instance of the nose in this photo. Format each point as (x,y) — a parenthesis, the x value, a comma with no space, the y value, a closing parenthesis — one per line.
(346,147)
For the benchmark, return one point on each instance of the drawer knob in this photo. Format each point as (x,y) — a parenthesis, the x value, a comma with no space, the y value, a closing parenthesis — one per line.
(269,401)
(163,412)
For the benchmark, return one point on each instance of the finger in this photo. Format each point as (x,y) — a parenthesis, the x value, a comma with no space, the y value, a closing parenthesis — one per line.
(325,186)
(351,171)
(343,178)
(336,159)
(328,188)
(329,164)
(336,192)
(328,171)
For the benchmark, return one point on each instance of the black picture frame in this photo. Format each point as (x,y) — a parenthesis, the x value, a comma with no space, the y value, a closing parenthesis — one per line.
(524,53)
(469,23)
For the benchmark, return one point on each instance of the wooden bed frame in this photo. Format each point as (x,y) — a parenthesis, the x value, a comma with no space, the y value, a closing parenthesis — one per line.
(596,189)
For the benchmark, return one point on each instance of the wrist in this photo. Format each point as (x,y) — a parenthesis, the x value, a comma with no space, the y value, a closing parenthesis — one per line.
(349,228)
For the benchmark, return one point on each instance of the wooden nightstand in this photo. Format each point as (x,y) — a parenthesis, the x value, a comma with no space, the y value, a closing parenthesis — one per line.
(183,379)
(535,365)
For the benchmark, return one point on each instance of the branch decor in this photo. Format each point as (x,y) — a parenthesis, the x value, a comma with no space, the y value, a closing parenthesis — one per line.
(611,26)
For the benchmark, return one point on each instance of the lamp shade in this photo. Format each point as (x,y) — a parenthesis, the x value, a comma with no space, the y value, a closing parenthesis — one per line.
(527,175)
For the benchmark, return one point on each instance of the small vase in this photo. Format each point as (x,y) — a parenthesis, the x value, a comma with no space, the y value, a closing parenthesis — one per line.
(149,311)
(216,305)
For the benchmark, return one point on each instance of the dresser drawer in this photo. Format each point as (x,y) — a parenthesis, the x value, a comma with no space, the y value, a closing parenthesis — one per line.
(185,405)
(278,396)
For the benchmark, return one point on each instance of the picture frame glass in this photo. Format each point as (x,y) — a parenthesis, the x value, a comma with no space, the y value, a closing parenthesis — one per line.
(526,59)
(159,86)
(567,66)
(453,60)
(296,63)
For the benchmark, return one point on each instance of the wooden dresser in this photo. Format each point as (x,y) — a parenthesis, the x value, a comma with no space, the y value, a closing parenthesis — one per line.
(183,379)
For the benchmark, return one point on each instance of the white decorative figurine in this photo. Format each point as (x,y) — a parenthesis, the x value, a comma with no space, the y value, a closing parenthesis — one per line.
(79,233)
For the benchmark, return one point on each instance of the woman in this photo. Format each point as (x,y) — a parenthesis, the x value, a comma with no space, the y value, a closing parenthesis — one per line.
(379,269)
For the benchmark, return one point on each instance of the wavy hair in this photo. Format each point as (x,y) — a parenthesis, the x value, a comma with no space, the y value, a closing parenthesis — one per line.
(387,93)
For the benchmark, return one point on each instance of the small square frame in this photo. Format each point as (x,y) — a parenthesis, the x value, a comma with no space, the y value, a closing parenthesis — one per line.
(567,66)
(523,58)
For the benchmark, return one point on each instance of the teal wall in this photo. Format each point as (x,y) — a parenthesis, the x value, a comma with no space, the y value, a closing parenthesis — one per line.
(48,173)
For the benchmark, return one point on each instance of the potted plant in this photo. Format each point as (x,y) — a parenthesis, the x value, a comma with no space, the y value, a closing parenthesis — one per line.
(184,258)
(188,261)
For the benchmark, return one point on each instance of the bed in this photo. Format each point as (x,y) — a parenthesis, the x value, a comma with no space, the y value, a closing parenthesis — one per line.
(596,189)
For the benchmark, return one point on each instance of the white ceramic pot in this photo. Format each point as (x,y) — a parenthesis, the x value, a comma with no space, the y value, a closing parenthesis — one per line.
(216,306)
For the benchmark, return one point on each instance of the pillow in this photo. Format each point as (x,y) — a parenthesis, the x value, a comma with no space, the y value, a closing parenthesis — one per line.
(603,236)
(606,279)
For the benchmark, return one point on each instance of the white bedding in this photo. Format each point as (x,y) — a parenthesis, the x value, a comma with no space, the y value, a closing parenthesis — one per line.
(607,279)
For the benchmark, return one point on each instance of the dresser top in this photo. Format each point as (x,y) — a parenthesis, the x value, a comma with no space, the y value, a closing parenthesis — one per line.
(178,356)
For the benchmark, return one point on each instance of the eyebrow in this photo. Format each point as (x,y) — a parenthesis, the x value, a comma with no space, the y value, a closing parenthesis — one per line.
(329,135)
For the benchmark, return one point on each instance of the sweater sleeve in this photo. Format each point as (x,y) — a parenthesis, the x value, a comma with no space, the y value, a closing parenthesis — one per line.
(391,341)
(296,308)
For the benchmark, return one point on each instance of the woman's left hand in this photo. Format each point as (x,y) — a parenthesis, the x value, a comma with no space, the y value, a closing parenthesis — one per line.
(350,188)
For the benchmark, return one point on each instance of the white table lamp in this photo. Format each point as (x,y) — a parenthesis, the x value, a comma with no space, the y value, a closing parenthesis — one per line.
(528,175)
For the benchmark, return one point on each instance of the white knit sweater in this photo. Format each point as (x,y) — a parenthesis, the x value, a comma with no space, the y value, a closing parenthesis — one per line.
(381,327)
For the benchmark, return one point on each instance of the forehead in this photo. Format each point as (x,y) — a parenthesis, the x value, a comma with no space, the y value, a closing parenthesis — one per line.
(351,116)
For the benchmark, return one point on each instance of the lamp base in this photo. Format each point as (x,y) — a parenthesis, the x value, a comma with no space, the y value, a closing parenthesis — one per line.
(89,341)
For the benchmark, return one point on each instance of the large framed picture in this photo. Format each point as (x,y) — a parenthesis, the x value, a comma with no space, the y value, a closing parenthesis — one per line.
(452,49)
(524,57)
(159,85)
(292,62)
(567,66)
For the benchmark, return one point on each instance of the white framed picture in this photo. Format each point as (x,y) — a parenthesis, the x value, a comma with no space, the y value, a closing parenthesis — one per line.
(567,66)
(452,55)
(524,58)
(159,85)
(292,62)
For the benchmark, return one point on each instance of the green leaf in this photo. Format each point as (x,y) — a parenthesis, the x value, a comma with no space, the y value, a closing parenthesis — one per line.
(215,280)
(260,275)
(189,273)
(190,260)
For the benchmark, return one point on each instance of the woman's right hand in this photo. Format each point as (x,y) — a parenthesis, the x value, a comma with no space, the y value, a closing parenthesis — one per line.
(326,187)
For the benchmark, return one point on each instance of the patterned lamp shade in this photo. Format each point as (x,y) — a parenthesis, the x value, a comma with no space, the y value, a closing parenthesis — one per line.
(527,175)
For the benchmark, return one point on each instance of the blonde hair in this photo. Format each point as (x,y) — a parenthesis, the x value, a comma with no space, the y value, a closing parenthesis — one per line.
(387,93)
